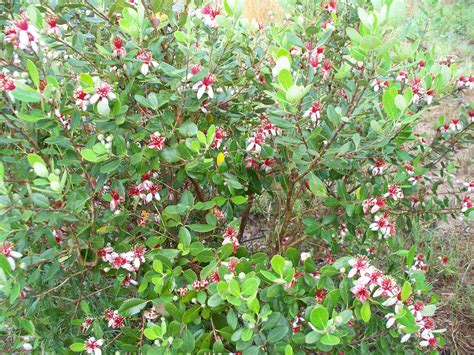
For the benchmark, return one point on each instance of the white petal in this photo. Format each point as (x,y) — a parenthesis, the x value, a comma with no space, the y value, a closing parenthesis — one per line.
(197,85)
(200,92)
(15,254)
(405,338)
(11,261)
(390,322)
(378,292)
(144,69)
(94,98)
(210,92)
(24,39)
(352,272)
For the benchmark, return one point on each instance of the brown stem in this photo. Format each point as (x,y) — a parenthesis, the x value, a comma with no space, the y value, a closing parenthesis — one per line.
(245,217)
(27,137)
(199,191)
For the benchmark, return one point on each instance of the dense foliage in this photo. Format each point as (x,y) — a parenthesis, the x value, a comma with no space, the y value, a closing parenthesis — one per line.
(137,136)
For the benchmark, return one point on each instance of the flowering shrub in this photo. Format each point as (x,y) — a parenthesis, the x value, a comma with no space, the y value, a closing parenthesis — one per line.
(137,135)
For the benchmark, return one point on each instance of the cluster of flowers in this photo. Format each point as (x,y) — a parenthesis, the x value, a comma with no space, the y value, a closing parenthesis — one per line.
(203,284)
(147,190)
(6,83)
(230,237)
(23,35)
(465,82)
(262,132)
(93,346)
(314,112)
(115,321)
(218,138)
(157,141)
(208,14)
(373,283)
(129,261)
(116,200)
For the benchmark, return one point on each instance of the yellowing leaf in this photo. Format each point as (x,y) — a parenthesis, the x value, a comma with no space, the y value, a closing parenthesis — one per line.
(220,159)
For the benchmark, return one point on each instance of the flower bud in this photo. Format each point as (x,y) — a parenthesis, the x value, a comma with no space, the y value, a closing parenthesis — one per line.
(40,170)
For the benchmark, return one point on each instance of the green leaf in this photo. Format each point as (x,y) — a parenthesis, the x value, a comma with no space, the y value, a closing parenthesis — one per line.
(25,93)
(4,264)
(158,266)
(103,108)
(406,290)
(77,347)
(411,256)
(400,102)
(150,334)
(277,333)
(86,79)
(211,134)
(389,104)
(2,171)
(234,288)
(247,334)
(232,319)
(319,317)
(316,186)
(370,42)
(330,340)
(365,312)
(250,286)
(184,236)
(132,306)
(33,72)
(375,126)
(170,155)
(278,264)
(110,166)
(202,228)
(366,19)
(181,37)
(30,118)
(239,200)
(312,337)
(89,155)
(191,314)
(188,129)
(35,158)
(284,79)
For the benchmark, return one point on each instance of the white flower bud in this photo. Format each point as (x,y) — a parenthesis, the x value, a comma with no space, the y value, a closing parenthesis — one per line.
(305,256)
(40,170)
(342,270)
(242,276)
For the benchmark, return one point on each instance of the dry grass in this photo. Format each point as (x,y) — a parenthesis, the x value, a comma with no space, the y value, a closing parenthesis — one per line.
(262,11)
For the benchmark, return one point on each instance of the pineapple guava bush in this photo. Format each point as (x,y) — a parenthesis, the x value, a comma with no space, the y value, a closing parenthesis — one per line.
(137,136)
